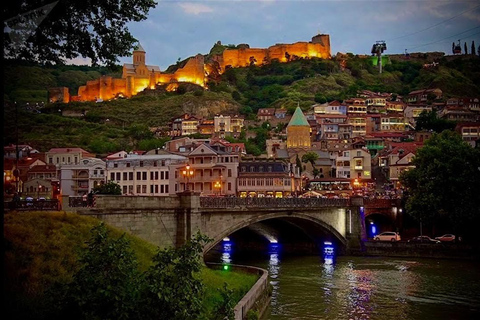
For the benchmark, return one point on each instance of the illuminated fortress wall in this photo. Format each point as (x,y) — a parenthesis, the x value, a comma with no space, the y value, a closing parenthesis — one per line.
(193,71)
(138,76)
(319,47)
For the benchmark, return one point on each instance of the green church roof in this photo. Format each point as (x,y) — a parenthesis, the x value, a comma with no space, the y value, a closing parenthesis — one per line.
(298,119)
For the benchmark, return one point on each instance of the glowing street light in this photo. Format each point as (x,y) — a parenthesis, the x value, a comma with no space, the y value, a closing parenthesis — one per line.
(187,172)
(218,186)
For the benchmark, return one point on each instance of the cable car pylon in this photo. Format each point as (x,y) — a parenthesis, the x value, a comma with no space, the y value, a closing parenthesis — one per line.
(377,49)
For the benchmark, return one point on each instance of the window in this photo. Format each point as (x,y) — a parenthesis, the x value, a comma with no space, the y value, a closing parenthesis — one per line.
(124,176)
(229,172)
(141,163)
(144,175)
(128,164)
(139,176)
(112,176)
(118,176)
(130,176)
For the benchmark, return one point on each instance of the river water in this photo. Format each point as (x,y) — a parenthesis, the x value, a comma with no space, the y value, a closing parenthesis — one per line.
(305,287)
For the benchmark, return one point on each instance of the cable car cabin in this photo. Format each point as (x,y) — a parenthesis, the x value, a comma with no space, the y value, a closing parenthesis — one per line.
(457,49)
(379,47)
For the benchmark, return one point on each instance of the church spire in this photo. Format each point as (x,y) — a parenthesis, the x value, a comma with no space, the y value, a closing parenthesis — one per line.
(298,118)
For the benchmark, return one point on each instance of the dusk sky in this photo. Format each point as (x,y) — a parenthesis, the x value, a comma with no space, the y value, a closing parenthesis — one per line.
(180,29)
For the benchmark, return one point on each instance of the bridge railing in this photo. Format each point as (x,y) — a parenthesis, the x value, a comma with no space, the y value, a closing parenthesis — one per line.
(381,203)
(32,205)
(232,202)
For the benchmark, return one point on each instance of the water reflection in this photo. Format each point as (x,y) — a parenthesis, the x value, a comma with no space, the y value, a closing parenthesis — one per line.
(274,270)
(226,258)
(364,287)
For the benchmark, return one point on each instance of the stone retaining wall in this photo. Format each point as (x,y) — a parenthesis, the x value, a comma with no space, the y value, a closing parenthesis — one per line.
(257,297)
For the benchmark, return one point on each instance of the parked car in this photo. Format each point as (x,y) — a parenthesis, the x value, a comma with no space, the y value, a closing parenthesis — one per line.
(423,239)
(387,236)
(446,238)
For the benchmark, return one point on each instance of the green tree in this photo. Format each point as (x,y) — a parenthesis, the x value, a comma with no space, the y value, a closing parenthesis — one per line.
(317,173)
(173,285)
(443,186)
(298,162)
(106,285)
(95,30)
(152,143)
(110,187)
(252,148)
(224,310)
(140,132)
(236,95)
(428,120)
(310,157)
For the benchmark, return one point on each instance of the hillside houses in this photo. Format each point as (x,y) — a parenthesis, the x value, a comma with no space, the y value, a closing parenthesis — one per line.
(350,139)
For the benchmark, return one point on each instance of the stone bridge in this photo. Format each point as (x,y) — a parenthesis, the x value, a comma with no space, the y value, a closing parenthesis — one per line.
(171,221)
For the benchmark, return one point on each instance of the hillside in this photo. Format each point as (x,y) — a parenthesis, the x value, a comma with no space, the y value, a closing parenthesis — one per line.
(42,248)
(125,123)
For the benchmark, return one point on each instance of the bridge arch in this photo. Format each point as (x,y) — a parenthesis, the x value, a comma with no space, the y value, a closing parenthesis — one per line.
(307,224)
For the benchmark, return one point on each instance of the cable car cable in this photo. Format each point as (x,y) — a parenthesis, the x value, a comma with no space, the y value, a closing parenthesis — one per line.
(435,25)
(426,44)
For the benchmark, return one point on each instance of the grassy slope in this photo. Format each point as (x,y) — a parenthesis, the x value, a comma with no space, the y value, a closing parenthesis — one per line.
(42,247)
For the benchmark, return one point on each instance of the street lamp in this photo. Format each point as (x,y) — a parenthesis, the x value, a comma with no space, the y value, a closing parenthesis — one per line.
(187,173)
(39,188)
(218,186)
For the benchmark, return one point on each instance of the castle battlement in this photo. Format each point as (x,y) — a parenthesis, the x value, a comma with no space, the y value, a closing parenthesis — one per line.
(138,76)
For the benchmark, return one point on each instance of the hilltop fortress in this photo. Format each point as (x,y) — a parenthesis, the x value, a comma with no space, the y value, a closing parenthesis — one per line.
(138,76)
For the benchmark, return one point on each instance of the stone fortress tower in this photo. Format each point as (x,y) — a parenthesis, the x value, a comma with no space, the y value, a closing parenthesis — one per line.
(138,76)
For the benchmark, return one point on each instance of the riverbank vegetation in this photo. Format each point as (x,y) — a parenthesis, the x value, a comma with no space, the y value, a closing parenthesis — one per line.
(62,265)
(442,188)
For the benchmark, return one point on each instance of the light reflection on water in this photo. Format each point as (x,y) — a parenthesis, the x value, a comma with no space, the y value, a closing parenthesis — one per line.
(370,288)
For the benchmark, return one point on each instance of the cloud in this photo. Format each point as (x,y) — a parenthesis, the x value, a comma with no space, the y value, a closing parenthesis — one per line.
(195,8)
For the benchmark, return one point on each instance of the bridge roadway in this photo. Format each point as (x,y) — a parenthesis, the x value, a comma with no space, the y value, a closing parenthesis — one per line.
(171,221)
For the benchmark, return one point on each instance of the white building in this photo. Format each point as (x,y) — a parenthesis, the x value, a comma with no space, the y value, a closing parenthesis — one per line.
(354,164)
(60,156)
(151,174)
(77,179)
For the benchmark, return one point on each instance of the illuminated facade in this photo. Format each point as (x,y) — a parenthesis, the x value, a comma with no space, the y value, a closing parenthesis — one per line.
(298,131)
(138,76)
